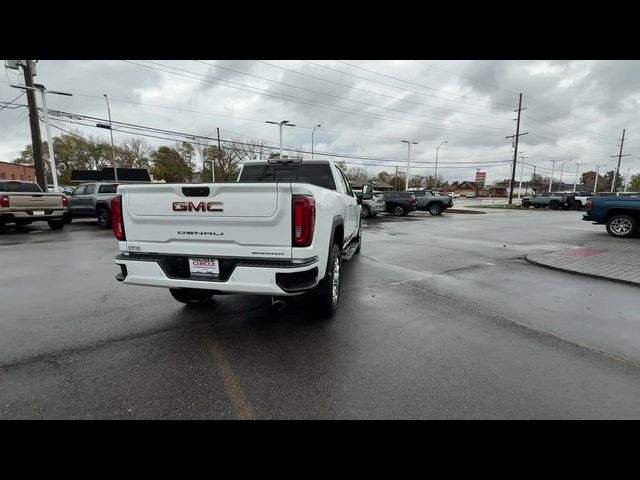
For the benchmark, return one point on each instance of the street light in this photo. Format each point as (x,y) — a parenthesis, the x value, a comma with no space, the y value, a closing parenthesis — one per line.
(113,150)
(553,166)
(43,91)
(406,183)
(575,180)
(561,169)
(314,131)
(284,122)
(435,176)
(595,185)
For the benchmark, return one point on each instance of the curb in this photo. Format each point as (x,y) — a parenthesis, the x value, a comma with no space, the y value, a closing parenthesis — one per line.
(459,210)
(575,272)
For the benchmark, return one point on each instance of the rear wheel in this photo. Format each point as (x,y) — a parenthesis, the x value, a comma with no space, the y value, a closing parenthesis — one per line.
(622,226)
(525,205)
(397,211)
(192,296)
(56,224)
(435,209)
(327,293)
(365,213)
(554,206)
(104,218)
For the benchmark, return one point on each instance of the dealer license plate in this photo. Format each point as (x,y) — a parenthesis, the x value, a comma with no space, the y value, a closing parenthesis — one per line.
(204,267)
(38,212)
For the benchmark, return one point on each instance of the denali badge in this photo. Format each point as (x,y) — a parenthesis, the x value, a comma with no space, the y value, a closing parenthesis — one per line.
(197,207)
(199,233)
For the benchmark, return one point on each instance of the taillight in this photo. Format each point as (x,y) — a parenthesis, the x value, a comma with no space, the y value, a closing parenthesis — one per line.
(4,201)
(588,205)
(116,217)
(65,201)
(304,220)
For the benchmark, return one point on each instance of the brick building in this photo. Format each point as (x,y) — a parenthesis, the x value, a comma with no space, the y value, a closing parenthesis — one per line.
(14,171)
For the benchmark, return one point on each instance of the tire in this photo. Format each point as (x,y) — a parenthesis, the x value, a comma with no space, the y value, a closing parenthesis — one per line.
(327,293)
(578,205)
(406,212)
(397,211)
(554,206)
(536,206)
(104,218)
(622,226)
(191,296)
(525,205)
(56,224)
(67,219)
(435,209)
(366,212)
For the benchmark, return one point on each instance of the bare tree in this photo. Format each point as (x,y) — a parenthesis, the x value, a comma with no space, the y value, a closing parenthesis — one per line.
(356,173)
(135,152)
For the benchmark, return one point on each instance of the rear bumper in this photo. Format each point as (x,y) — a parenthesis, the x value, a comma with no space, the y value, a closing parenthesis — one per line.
(589,218)
(28,216)
(253,276)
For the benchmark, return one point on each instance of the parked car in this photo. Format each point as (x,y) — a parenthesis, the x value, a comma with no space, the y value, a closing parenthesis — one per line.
(621,214)
(400,203)
(454,194)
(470,195)
(93,200)
(428,200)
(373,206)
(22,203)
(283,229)
(553,200)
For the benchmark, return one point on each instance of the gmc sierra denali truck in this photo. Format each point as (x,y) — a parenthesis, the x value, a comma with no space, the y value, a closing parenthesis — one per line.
(22,203)
(282,229)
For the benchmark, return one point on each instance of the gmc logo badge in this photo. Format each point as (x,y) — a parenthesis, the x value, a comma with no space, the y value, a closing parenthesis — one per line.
(197,207)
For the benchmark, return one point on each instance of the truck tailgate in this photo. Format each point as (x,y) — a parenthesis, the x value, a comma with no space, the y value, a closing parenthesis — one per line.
(35,201)
(226,219)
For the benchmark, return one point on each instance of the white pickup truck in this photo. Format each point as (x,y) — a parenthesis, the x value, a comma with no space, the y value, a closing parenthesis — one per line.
(282,229)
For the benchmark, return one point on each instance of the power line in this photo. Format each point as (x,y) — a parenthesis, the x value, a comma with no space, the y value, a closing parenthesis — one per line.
(395,86)
(303,101)
(422,86)
(368,104)
(398,99)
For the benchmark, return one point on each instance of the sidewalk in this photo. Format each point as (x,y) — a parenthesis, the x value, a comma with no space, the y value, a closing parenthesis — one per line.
(618,259)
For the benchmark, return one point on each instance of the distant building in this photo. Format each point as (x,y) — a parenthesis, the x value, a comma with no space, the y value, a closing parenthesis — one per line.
(16,171)
(378,185)
(465,187)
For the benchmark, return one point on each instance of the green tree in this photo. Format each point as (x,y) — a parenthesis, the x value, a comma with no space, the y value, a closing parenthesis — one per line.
(608,180)
(169,165)
(635,183)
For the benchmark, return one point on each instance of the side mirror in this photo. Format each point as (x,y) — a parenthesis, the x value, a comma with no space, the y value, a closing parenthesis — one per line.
(367,192)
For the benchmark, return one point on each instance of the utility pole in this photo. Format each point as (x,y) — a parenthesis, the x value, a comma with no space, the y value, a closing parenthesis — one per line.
(561,170)
(515,152)
(213,174)
(36,141)
(616,173)
(113,148)
(575,180)
(521,169)
(553,166)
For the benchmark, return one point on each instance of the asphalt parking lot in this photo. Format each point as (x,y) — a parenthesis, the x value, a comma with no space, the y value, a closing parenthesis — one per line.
(440,317)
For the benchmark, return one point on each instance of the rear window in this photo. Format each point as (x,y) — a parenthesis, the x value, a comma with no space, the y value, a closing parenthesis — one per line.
(108,188)
(315,174)
(19,187)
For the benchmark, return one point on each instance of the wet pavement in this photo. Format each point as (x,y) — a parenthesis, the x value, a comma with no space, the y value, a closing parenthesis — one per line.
(440,317)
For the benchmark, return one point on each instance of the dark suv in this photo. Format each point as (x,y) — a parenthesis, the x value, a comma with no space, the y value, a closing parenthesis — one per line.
(400,203)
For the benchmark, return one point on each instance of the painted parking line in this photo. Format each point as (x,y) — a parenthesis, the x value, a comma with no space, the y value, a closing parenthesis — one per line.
(231,382)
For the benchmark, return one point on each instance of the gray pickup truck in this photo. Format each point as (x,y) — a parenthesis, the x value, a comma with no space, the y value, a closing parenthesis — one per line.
(94,200)
(553,200)
(434,204)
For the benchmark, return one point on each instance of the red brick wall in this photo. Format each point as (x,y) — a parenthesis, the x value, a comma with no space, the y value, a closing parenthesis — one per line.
(12,171)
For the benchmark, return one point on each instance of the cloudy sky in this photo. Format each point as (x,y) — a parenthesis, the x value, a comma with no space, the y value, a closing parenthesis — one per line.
(575,110)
